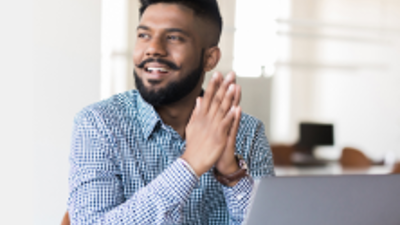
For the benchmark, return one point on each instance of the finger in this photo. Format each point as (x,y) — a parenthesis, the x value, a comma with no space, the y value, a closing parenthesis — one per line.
(227,121)
(196,109)
(233,74)
(238,95)
(226,104)
(235,126)
(219,96)
(212,88)
(220,78)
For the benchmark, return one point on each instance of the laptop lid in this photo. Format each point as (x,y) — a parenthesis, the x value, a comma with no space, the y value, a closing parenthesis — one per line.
(345,200)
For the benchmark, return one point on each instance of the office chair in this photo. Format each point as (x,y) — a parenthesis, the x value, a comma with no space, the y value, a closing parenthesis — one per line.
(65,220)
(282,154)
(396,168)
(354,158)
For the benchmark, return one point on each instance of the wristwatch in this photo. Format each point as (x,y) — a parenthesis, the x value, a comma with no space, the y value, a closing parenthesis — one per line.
(239,174)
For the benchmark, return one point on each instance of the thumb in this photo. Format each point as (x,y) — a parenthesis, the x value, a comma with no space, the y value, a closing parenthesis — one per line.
(196,109)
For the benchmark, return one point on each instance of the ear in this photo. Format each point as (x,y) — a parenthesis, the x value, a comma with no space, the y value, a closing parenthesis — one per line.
(212,56)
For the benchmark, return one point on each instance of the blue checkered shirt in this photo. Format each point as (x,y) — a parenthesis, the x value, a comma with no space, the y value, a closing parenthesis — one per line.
(125,169)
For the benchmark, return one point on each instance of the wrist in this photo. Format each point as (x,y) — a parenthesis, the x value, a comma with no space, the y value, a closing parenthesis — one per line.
(232,178)
(187,166)
(194,165)
(227,167)
(226,170)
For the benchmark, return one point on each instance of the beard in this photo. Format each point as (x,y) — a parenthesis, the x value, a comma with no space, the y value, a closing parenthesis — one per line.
(174,91)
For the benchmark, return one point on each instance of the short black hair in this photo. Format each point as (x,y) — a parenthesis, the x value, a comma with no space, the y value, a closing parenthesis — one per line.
(207,9)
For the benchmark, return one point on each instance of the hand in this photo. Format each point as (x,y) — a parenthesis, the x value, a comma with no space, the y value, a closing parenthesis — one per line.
(227,163)
(208,129)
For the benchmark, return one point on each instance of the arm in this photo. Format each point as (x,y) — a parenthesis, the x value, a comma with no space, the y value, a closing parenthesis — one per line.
(96,189)
(259,160)
(260,164)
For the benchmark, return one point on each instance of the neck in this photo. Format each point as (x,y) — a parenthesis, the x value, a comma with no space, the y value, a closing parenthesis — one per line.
(177,114)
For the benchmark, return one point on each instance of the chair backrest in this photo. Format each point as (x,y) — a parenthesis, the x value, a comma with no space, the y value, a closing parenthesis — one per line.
(282,154)
(352,157)
(65,220)
(396,168)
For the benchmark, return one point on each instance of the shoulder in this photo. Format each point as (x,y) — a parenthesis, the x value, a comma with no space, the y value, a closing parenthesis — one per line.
(252,144)
(110,110)
(250,125)
(251,135)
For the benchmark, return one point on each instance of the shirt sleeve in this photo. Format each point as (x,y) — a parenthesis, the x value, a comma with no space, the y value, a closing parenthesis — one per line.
(96,189)
(259,159)
(260,164)
(238,198)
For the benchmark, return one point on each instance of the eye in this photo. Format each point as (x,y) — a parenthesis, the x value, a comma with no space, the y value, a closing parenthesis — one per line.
(143,35)
(175,38)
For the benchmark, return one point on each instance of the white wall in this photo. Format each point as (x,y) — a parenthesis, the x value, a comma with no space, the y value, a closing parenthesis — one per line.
(366,101)
(16,106)
(350,73)
(67,78)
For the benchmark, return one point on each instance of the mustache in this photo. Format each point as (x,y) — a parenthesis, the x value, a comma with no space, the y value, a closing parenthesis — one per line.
(170,64)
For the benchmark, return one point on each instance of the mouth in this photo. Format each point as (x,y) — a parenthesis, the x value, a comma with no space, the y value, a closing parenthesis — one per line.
(156,72)
(161,70)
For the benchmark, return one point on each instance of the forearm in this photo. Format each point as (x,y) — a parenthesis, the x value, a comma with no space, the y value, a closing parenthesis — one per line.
(159,202)
(238,199)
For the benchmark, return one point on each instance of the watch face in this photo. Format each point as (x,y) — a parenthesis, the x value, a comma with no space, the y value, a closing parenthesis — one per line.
(242,162)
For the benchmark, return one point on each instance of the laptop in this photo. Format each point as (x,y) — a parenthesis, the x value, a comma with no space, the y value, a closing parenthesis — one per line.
(326,200)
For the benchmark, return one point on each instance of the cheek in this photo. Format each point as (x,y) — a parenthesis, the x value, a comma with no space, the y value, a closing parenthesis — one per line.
(137,55)
(135,58)
(186,57)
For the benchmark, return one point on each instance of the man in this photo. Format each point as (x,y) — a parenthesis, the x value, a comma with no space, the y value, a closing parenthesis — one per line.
(169,152)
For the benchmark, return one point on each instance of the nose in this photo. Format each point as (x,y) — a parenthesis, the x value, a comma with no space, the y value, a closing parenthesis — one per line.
(156,48)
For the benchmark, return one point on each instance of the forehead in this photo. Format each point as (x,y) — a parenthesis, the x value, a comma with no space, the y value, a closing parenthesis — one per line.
(164,15)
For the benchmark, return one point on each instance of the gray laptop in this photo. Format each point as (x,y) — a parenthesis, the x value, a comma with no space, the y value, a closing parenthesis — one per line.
(326,200)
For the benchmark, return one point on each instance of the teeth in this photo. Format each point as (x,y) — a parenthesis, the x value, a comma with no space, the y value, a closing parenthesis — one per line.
(163,70)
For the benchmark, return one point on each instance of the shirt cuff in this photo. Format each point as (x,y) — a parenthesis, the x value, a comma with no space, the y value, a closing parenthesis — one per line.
(187,165)
(176,183)
(238,197)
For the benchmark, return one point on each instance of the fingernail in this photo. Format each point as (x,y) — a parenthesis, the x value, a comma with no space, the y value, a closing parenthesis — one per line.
(228,78)
(215,75)
(231,87)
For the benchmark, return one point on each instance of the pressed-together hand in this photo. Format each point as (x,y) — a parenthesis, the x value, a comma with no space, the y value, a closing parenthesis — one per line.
(209,129)
(227,163)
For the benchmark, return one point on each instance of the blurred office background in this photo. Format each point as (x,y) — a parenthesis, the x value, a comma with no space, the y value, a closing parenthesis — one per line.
(322,61)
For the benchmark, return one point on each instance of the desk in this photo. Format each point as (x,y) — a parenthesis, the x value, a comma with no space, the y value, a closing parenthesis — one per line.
(329,169)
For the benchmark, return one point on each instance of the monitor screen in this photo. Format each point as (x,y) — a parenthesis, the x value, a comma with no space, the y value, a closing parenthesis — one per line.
(314,134)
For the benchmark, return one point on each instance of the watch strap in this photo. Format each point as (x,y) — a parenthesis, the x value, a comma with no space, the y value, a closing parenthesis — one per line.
(239,174)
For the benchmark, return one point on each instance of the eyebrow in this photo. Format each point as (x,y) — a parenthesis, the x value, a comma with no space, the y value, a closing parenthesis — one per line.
(168,29)
(177,30)
(142,27)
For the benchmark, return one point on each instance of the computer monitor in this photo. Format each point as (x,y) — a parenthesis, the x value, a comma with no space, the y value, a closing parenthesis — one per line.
(314,134)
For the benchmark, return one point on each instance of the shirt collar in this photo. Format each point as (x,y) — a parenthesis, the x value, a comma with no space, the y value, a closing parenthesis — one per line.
(147,116)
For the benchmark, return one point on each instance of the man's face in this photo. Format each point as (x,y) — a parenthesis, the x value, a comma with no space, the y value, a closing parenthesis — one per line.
(168,54)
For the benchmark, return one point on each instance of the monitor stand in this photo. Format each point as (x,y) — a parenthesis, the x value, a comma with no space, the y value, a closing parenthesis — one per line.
(304,157)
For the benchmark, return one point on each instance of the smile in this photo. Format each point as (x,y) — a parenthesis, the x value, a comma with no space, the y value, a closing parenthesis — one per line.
(156,69)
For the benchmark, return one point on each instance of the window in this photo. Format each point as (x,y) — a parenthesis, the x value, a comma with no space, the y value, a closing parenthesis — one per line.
(256,43)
